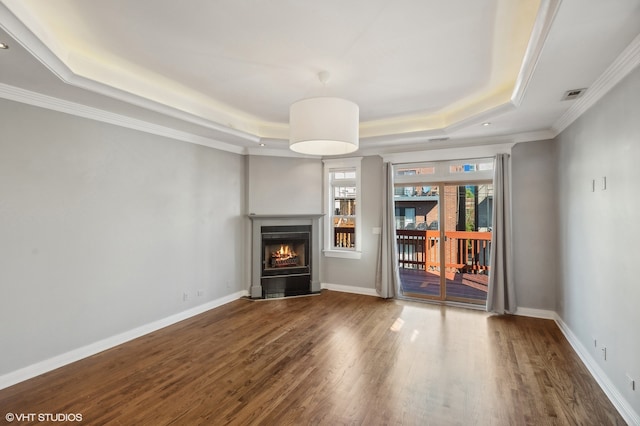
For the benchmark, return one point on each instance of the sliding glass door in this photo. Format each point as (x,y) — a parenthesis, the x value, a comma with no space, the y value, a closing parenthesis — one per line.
(444,244)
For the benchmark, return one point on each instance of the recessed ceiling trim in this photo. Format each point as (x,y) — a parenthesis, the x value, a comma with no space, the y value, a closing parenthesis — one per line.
(32,44)
(19,32)
(251,130)
(626,62)
(461,118)
(481,117)
(541,28)
(43,101)
(463,148)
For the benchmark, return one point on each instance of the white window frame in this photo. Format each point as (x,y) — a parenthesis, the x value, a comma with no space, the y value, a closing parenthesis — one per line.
(354,163)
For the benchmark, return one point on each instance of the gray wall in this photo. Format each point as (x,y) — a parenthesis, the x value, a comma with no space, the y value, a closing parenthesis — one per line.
(599,289)
(102,229)
(281,185)
(534,212)
(535,250)
(362,272)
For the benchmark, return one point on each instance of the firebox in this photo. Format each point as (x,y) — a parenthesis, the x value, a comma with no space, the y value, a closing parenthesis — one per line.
(286,270)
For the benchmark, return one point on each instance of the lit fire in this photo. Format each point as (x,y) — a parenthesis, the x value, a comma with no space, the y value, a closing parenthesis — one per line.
(285,252)
(285,256)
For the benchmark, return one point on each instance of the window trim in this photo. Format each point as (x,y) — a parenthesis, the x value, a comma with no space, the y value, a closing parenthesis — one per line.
(329,250)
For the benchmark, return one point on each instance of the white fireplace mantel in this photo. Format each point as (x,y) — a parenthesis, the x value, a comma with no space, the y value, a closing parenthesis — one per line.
(260,220)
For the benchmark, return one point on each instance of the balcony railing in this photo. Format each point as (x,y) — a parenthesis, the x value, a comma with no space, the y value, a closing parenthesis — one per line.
(344,236)
(464,251)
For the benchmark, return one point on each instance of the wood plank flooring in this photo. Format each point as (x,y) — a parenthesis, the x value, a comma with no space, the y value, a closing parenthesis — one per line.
(334,359)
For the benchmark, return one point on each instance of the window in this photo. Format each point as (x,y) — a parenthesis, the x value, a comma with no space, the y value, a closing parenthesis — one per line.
(479,169)
(343,208)
(405,217)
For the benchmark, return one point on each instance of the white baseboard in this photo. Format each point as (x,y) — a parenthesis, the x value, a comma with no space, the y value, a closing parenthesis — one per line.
(350,289)
(50,364)
(536,313)
(616,398)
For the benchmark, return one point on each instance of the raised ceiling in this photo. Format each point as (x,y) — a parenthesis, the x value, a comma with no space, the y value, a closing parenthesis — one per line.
(227,71)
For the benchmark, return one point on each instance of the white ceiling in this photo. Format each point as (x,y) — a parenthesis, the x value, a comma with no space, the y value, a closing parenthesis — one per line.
(223,73)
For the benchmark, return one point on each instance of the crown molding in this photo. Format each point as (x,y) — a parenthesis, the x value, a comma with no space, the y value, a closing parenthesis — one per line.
(626,62)
(39,50)
(43,101)
(425,146)
(277,152)
(539,33)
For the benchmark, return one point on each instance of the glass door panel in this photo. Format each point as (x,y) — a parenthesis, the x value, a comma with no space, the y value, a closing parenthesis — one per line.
(417,211)
(467,227)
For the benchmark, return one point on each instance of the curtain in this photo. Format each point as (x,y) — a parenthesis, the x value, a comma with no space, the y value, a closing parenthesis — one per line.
(387,275)
(501,296)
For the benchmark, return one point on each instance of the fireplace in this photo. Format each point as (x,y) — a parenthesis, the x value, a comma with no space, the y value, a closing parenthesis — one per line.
(285,255)
(285,260)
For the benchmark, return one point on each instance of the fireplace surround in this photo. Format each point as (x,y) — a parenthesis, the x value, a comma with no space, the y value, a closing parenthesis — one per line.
(285,255)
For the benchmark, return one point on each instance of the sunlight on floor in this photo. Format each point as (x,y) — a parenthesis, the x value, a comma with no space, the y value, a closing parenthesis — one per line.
(397,325)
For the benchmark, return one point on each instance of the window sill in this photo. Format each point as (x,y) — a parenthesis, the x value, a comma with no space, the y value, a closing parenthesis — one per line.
(344,254)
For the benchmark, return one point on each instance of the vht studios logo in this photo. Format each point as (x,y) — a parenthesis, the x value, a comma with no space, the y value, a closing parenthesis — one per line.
(43,417)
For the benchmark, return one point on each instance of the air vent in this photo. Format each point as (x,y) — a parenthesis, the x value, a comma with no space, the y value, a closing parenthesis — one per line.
(570,95)
(438,139)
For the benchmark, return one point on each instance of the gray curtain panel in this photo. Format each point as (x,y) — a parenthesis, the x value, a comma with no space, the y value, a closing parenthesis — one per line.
(387,275)
(501,296)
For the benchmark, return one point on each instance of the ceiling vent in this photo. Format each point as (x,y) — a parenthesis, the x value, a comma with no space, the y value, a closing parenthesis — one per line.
(438,139)
(570,95)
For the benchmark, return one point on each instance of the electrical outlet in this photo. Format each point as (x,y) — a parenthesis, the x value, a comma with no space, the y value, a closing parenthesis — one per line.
(595,342)
(632,382)
(185,296)
(200,293)
(604,183)
(604,353)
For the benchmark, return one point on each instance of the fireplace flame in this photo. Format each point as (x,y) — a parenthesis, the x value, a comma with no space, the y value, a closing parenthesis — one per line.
(285,252)
(284,257)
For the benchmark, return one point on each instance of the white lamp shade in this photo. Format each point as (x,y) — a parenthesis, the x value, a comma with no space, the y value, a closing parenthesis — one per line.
(324,126)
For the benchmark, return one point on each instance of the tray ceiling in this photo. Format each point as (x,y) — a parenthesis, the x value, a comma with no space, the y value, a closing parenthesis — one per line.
(229,70)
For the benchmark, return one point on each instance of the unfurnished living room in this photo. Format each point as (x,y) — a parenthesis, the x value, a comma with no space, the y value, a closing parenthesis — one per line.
(290,213)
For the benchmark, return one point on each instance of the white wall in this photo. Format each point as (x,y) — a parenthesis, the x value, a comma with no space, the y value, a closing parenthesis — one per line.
(599,232)
(534,210)
(102,229)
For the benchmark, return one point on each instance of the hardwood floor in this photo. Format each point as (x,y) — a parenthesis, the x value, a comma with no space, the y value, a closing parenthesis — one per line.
(335,358)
